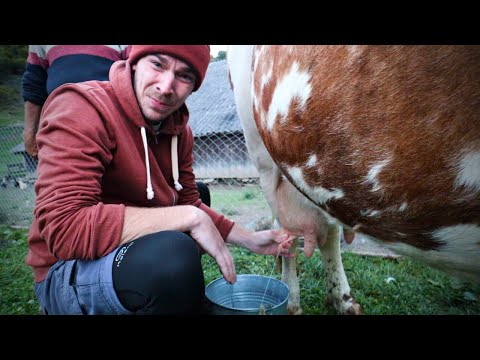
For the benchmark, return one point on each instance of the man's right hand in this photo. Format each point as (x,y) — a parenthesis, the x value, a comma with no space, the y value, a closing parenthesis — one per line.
(207,236)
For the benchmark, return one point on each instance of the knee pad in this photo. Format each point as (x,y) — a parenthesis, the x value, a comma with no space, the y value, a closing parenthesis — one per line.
(159,273)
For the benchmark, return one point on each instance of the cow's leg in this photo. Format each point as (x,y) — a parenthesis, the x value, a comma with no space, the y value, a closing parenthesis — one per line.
(338,290)
(289,277)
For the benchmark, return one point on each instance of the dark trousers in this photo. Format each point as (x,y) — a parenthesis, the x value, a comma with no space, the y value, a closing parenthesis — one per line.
(160,274)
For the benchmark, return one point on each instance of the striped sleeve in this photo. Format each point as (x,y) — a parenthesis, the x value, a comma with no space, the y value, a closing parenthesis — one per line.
(34,79)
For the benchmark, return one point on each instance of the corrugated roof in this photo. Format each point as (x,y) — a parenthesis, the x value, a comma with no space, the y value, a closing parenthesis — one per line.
(20,148)
(212,107)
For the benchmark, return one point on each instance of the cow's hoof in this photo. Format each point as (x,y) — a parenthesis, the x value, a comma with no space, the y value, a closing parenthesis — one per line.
(329,300)
(354,309)
(345,306)
(294,310)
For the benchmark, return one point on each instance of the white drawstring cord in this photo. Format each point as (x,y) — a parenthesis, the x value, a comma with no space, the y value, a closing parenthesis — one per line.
(150,193)
(173,151)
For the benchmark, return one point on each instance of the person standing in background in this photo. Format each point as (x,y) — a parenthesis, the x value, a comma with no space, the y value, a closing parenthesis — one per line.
(50,66)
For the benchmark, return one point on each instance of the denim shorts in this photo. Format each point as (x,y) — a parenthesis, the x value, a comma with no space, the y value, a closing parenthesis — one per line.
(80,287)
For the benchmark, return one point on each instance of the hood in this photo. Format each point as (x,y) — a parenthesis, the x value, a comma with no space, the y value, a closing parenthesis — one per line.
(121,80)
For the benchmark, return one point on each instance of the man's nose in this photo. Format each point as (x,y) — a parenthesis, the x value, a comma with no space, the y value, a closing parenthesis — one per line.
(166,82)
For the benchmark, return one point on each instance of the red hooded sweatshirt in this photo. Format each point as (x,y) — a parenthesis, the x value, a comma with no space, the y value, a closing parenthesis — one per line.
(92,164)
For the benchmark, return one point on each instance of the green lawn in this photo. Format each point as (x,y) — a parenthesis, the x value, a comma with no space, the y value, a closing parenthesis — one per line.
(233,200)
(16,279)
(416,289)
(12,115)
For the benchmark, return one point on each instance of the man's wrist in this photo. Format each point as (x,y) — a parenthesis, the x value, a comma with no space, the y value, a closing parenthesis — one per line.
(239,236)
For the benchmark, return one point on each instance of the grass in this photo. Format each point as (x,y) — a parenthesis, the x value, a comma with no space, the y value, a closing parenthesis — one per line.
(236,201)
(11,115)
(415,290)
(16,278)
(223,196)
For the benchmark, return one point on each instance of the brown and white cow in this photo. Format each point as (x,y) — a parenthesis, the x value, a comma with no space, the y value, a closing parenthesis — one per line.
(382,140)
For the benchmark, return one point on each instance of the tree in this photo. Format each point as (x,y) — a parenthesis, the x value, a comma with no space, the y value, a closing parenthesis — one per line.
(221,55)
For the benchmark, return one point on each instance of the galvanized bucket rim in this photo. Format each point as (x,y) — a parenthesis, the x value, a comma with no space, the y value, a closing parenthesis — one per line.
(243,276)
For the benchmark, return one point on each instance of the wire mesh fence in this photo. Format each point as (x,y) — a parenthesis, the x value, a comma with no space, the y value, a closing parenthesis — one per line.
(17,174)
(221,162)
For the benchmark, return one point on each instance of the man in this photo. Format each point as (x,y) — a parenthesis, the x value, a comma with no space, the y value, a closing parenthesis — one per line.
(118,222)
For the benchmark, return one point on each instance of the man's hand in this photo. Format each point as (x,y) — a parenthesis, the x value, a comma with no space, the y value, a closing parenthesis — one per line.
(31,148)
(207,236)
(267,242)
(271,242)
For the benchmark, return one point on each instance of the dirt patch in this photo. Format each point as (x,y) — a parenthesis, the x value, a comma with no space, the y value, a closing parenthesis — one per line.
(253,217)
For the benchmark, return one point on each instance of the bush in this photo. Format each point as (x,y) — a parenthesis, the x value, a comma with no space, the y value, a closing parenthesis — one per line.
(12,66)
(8,95)
(13,58)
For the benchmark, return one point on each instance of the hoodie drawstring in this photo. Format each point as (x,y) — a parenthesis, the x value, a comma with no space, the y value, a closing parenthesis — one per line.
(150,193)
(173,151)
(178,186)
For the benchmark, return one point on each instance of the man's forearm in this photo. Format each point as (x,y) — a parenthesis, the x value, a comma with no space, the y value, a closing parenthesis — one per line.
(239,236)
(32,116)
(30,126)
(143,221)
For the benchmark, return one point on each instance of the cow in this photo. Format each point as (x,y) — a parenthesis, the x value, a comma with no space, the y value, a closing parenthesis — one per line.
(382,141)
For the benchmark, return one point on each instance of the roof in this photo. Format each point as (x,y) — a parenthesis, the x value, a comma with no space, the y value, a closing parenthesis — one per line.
(18,149)
(212,108)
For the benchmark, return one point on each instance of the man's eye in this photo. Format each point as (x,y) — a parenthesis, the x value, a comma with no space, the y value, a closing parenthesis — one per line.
(187,77)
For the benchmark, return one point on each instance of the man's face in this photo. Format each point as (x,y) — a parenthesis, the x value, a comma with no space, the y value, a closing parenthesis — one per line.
(161,83)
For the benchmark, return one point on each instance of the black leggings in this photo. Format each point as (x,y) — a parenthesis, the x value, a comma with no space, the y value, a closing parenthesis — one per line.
(160,273)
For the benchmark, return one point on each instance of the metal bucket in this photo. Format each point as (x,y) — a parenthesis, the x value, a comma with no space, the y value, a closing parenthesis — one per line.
(247,296)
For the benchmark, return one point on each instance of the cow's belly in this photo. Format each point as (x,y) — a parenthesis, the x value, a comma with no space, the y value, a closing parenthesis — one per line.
(460,260)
